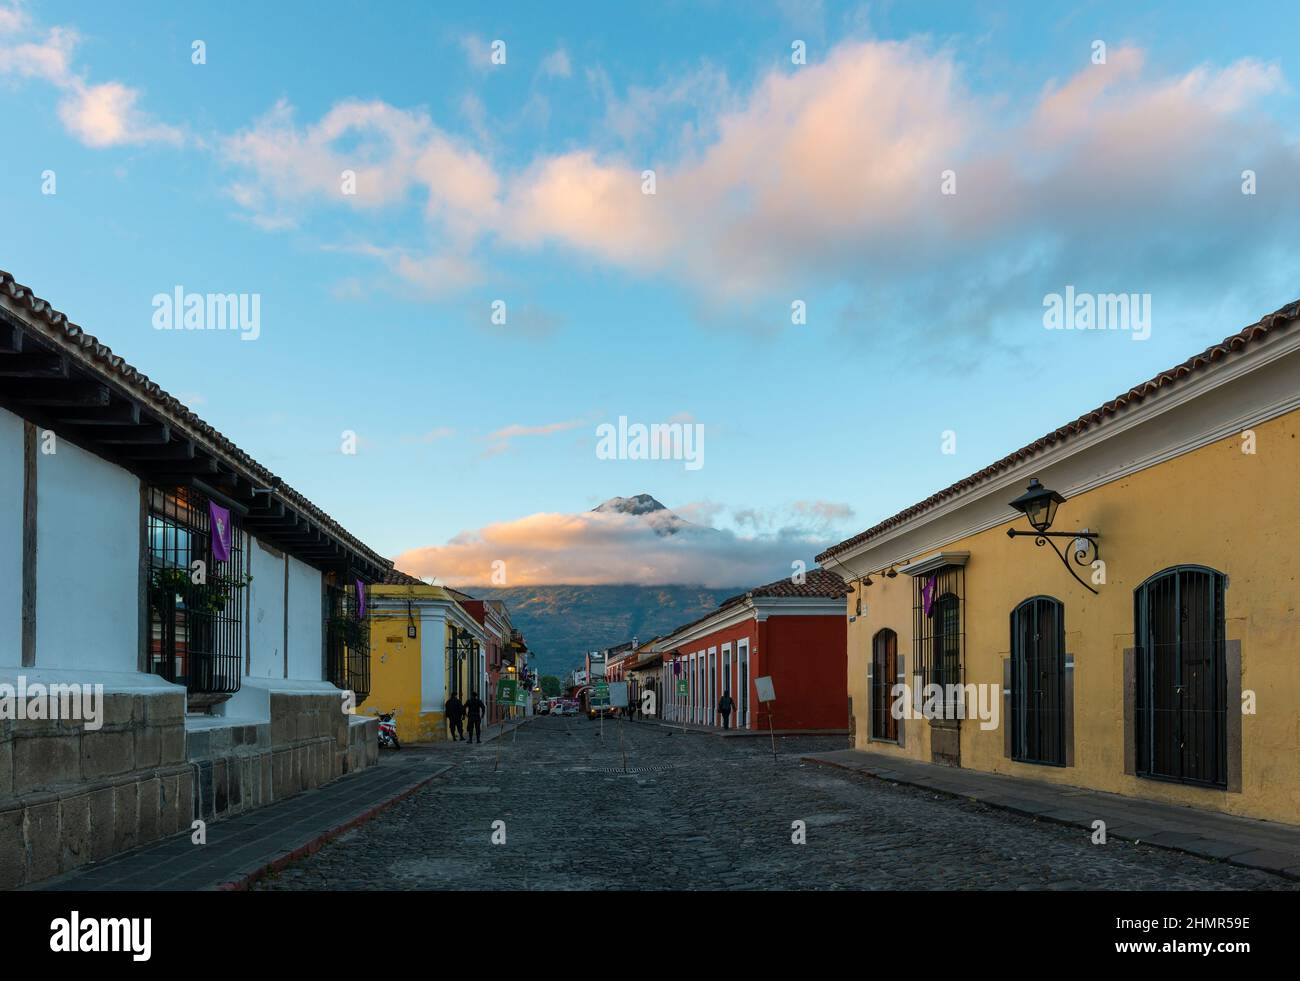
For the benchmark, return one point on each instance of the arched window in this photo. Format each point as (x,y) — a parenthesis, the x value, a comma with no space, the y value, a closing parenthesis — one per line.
(1181,690)
(884,674)
(1038,681)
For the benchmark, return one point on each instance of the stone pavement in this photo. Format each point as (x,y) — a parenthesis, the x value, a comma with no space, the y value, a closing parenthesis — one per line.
(556,806)
(1238,841)
(242,848)
(248,846)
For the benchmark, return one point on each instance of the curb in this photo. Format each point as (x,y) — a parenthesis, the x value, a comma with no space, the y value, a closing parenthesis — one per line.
(1287,873)
(242,883)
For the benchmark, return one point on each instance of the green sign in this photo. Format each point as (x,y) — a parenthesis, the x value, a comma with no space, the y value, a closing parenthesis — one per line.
(600,694)
(683,687)
(521,696)
(507,691)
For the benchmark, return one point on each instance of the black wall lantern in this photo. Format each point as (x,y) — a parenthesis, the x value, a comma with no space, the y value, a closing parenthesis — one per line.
(1039,505)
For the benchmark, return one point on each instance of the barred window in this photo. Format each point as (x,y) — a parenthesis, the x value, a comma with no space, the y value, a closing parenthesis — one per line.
(1181,711)
(195,602)
(937,636)
(347,641)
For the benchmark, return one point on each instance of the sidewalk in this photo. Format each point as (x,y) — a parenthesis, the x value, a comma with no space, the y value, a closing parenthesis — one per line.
(242,849)
(1241,841)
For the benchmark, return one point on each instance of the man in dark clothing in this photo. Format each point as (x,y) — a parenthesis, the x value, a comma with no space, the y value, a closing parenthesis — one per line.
(725,705)
(455,712)
(474,710)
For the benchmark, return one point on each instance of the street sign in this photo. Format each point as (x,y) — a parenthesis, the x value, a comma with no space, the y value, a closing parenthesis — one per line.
(506,691)
(521,697)
(599,697)
(766,693)
(683,687)
(618,694)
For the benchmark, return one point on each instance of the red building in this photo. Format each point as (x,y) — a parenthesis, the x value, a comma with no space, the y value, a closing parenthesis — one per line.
(503,645)
(793,633)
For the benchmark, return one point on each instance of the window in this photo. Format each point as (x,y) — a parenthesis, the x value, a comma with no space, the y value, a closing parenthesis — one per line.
(884,675)
(347,642)
(195,627)
(1181,690)
(937,637)
(1038,681)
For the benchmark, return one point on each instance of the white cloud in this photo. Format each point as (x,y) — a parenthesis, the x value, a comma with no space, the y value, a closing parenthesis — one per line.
(99,115)
(604,547)
(557,65)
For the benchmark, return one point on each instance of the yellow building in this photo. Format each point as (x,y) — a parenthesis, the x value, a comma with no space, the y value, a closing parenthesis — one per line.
(423,647)
(1178,679)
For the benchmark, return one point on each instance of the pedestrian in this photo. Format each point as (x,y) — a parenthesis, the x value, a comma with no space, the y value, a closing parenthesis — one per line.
(474,709)
(455,712)
(725,705)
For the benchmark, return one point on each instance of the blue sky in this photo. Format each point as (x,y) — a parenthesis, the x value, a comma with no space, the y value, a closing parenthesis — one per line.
(776,182)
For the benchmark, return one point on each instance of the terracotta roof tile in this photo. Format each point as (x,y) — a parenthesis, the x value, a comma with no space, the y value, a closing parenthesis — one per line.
(818,584)
(1277,320)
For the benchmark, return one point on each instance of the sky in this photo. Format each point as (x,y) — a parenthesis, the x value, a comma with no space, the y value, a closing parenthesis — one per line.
(819,238)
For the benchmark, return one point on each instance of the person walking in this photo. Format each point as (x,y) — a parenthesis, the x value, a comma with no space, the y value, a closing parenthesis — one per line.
(725,705)
(474,709)
(455,711)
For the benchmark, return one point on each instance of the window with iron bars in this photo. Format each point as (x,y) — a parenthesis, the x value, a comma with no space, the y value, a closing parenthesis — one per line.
(347,642)
(195,626)
(937,639)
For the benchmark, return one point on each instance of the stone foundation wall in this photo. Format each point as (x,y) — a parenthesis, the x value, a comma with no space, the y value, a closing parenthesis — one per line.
(70,796)
(307,743)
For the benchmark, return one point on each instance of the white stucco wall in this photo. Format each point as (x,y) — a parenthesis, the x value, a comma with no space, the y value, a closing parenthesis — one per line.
(305,621)
(266,612)
(11,538)
(433,654)
(87,562)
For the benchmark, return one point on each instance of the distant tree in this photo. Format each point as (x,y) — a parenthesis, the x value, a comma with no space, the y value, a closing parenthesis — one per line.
(551,686)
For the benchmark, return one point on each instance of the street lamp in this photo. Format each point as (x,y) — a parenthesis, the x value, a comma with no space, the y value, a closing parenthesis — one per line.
(1039,504)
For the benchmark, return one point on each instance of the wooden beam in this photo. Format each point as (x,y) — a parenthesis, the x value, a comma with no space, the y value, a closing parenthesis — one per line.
(40,391)
(113,414)
(177,450)
(37,364)
(11,338)
(146,433)
(175,470)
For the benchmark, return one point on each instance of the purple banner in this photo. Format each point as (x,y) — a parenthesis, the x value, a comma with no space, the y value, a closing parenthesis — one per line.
(361,600)
(927,594)
(221,534)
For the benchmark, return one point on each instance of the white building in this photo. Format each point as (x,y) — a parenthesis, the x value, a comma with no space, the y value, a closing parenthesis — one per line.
(220,693)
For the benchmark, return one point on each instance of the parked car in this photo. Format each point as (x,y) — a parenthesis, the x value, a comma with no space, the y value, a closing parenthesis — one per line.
(570,707)
(544,707)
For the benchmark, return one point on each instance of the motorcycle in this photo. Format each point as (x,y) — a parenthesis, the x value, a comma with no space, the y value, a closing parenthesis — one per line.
(388,730)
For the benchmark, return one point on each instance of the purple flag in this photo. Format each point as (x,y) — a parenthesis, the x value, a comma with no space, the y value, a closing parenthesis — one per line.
(361,600)
(220,519)
(927,594)
(677,665)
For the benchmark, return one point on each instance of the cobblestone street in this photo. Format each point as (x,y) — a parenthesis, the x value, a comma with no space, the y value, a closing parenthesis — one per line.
(697,812)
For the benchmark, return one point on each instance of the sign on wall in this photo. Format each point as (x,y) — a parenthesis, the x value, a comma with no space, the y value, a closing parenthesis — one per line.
(507,689)
(766,693)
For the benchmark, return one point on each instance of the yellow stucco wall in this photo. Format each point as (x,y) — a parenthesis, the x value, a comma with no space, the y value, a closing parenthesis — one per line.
(396,664)
(1216,507)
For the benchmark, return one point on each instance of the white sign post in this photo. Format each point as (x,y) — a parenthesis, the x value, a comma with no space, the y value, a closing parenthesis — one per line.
(767,695)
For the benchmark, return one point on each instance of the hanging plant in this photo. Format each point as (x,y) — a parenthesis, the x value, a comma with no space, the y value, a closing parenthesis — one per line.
(354,633)
(210,597)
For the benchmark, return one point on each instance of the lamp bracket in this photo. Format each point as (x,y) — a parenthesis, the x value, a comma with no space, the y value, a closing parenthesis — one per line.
(1082,556)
